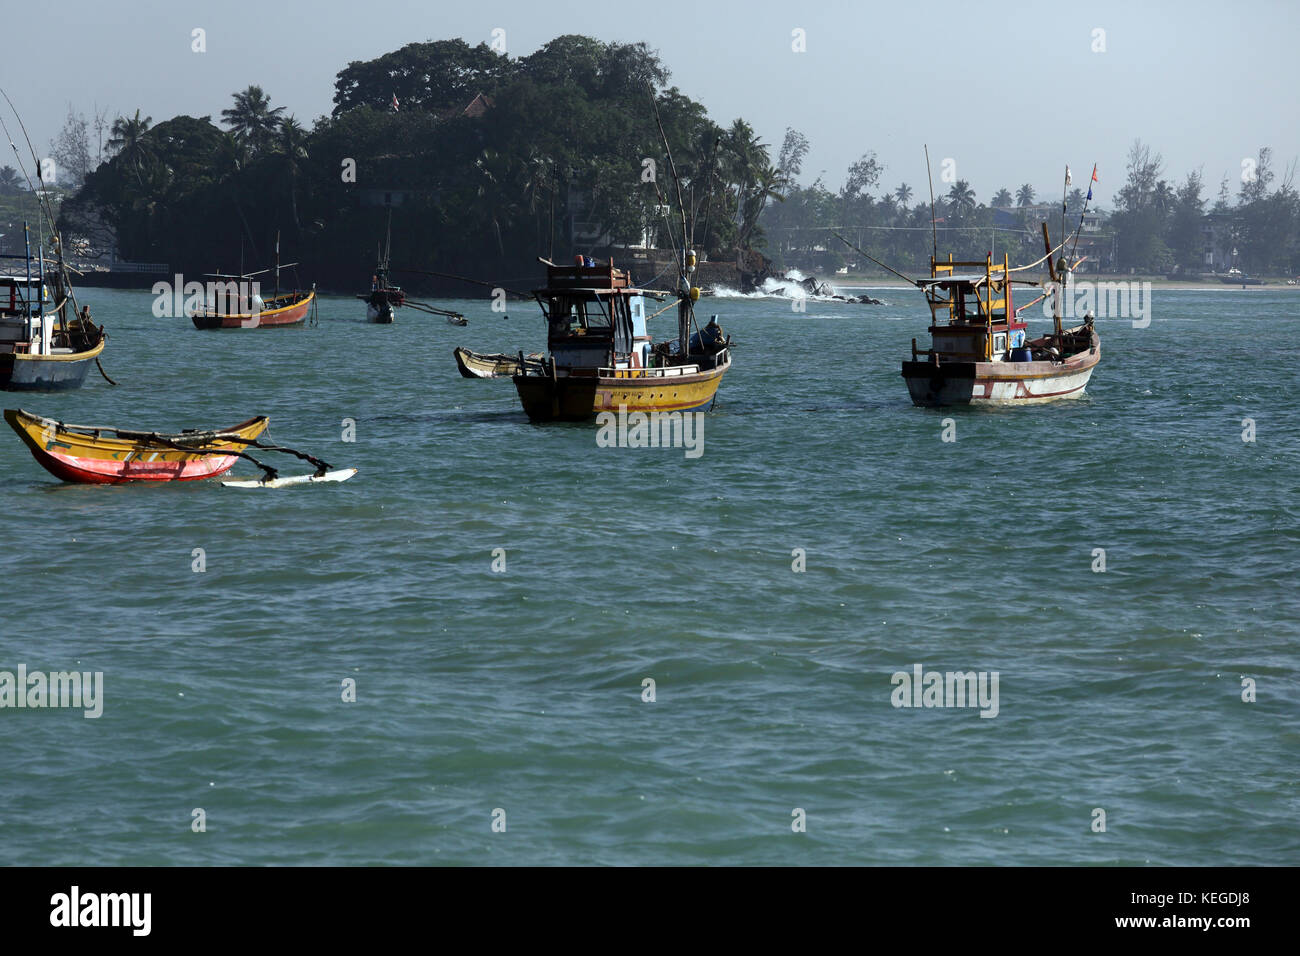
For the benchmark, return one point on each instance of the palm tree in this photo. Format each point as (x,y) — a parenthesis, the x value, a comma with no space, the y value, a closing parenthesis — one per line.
(251,119)
(771,184)
(291,145)
(962,198)
(903,194)
(127,138)
(1025,195)
(230,167)
(1002,197)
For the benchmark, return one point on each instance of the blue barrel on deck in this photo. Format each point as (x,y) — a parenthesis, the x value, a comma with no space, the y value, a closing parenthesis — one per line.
(1022,355)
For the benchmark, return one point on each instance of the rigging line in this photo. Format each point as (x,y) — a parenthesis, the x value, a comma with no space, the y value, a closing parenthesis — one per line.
(42,201)
(873,259)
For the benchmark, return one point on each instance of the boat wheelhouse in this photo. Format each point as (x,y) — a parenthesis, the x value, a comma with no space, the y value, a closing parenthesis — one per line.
(601,357)
(980,353)
(40,350)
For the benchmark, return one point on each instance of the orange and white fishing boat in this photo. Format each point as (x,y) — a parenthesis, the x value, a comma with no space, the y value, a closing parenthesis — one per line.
(980,352)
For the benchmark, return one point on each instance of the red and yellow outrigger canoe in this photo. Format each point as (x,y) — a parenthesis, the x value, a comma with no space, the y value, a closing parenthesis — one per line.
(103,455)
(291,308)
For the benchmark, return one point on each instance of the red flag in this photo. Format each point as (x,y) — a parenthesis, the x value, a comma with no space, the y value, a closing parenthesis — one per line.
(1094,173)
(394,104)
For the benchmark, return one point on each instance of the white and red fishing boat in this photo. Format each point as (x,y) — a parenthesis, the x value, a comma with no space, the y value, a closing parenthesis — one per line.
(980,351)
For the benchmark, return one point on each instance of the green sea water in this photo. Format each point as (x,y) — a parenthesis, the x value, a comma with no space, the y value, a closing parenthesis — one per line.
(516,694)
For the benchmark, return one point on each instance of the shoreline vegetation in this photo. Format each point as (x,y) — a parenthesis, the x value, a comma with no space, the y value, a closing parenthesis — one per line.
(486,162)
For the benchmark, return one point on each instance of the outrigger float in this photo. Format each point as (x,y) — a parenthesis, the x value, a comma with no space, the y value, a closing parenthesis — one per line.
(106,455)
(600,356)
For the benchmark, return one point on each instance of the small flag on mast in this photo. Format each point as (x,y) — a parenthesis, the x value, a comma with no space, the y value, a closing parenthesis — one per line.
(1093,180)
(1068,180)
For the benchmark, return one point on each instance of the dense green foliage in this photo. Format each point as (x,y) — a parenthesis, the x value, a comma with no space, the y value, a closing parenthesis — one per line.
(557,143)
(490,161)
(1157,228)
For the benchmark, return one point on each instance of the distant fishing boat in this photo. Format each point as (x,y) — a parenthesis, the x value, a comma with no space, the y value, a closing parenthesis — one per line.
(600,355)
(384,299)
(493,364)
(1235,276)
(40,350)
(238,306)
(106,455)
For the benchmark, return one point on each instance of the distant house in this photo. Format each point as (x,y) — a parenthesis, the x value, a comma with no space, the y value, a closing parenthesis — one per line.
(474,109)
(1218,239)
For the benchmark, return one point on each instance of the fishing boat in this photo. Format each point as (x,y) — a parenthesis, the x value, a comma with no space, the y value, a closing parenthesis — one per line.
(106,455)
(253,312)
(600,356)
(384,298)
(493,364)
(1235,276)
(237,303)
(980,352)
(40,349)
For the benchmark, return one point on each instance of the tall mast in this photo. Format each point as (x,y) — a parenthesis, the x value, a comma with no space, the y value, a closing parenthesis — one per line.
(1060,285)
(27,289)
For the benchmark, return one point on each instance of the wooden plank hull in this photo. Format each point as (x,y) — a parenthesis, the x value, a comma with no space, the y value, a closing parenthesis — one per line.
(490,365)
(578,398)
(292,314)
(88,458)
(1001,383)
(46,373)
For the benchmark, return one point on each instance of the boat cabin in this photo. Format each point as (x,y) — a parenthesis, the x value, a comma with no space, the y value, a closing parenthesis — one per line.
(596,318)
(972,316)
(23,328)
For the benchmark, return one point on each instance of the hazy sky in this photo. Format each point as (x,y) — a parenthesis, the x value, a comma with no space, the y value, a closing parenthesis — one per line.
(1011,92)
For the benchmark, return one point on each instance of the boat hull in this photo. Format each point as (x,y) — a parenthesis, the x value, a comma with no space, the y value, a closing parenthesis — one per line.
(382,314)
(85,458)
(46,373)
(494,365)
(1001,383)
(293,314)
(578,398)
